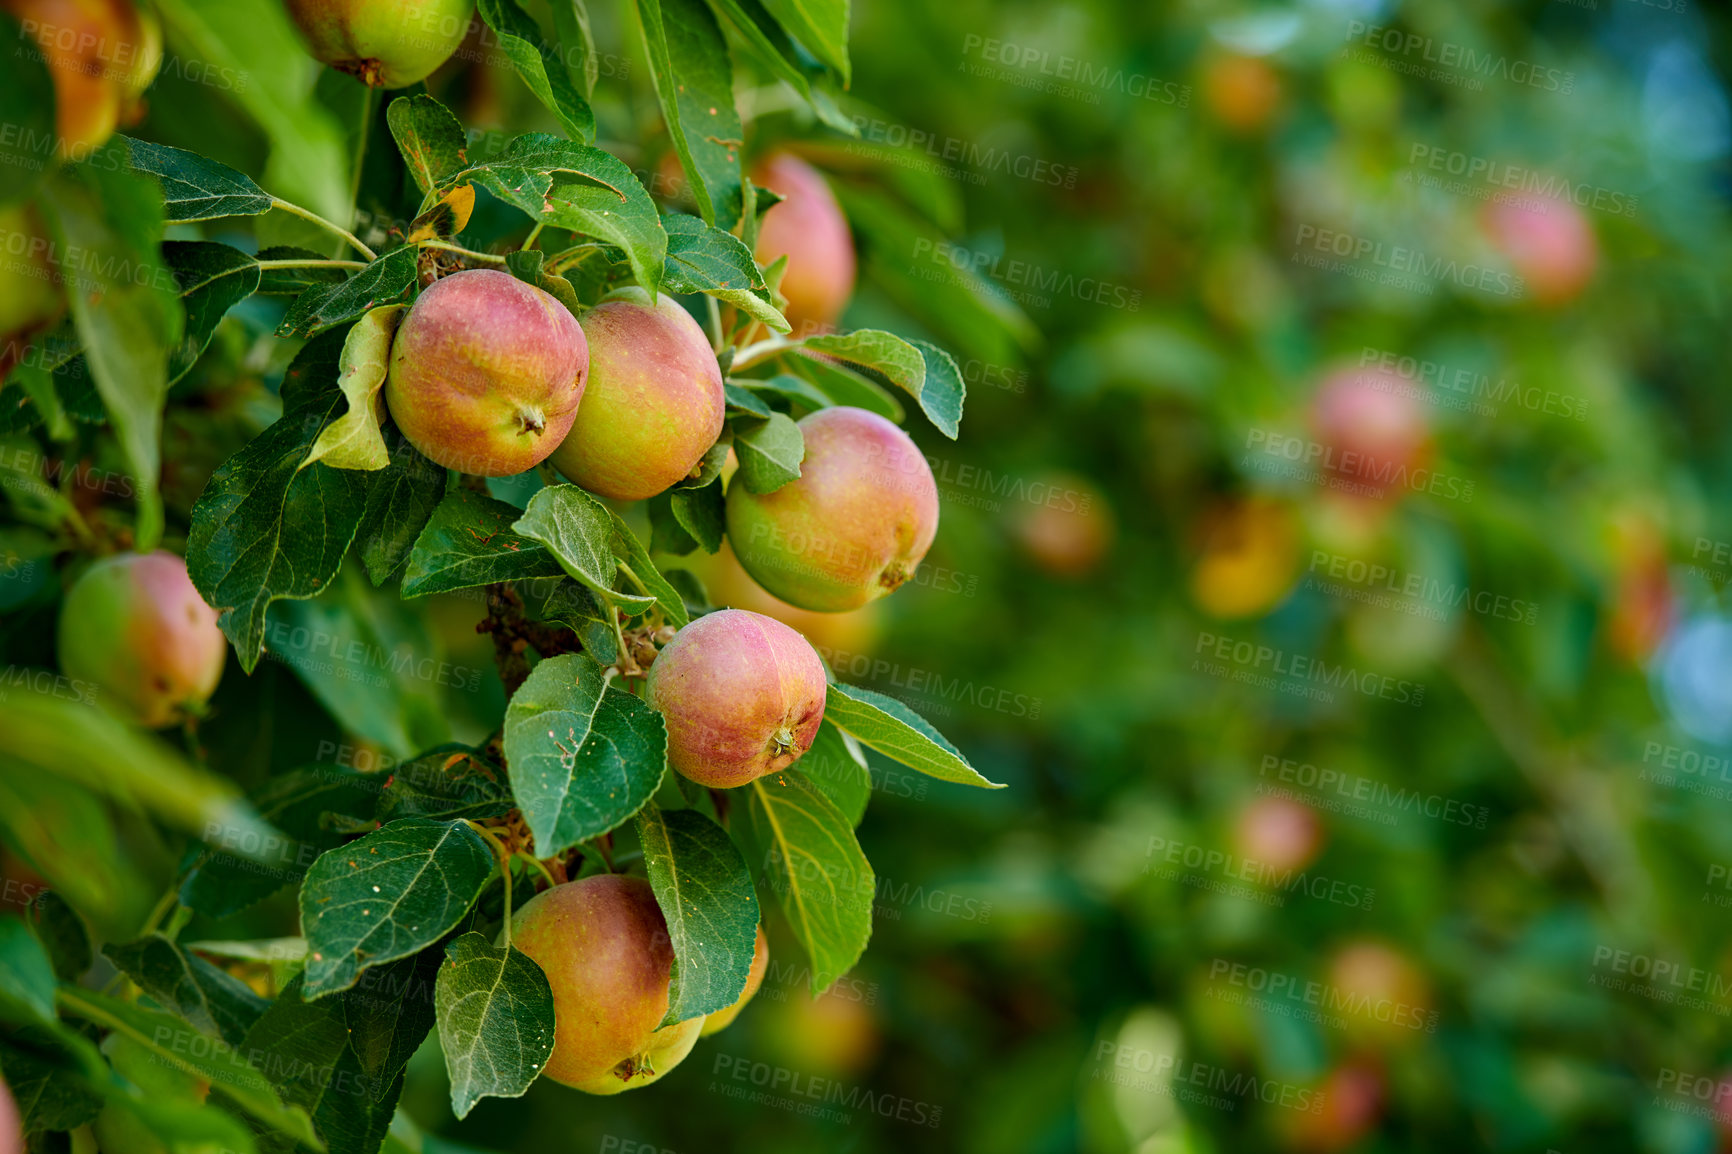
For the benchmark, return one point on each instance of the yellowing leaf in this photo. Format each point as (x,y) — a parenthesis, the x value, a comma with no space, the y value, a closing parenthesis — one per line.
(354,440)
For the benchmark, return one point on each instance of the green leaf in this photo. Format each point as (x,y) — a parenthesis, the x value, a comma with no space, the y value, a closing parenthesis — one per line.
(694,82)
(630,550)
(944,390)
(751,26)
(667,535)
(387,895)
(704,889)
(445,784)
(388,280)
(495,1021)
(546,724)
(106,222)
(292,282)
(569,185)
(836,766)
(745,401)
(297,804)
(193,187)
(305,1046)
(213,279)
(770,451)
(890,727)
(704,259)
(577,44)
(618,767)
(429,137)
(400,503)
(470,540)
(577,530)
(389,1014)
(27,111)
(62,934)
(265,529)
(789,386)
(523,44)
(57,1078)
(701,513)
(572,602)
(900,362)
(212,1001)
(26,976)
(355,440)
(820,25)
(102,755)
(816,869)
(844,386)
(177,1044)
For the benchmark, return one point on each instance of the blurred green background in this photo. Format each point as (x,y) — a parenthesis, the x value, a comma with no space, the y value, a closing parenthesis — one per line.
(1398,821)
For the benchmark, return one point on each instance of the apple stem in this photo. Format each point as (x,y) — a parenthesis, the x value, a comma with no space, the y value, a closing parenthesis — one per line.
(308,214)
(504,856)
(445,246)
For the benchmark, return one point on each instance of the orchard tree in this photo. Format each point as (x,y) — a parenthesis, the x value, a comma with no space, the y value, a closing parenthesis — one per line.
(472,399)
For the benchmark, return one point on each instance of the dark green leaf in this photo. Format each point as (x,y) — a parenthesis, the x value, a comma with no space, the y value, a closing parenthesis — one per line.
(845,387)
(745,401)
(577,44)
(429,137)
(266,529)
(211,1000)
(704,889)
(546,724)
(565,184)
(388,280)
(298,804)
(107,222)
(26,976)
(787,385)
(702,513)
(227,1069)
(194,188)
(636,558)
(667,535)
(470,540)
(50,1073)
(694,81)
(389,1013)
(446,784)
(890,727)
(27,111)
(577,530)
(387,895)
(618,768)
(815,867)
(62,934)
(400,503)
(522,42)
(770,451)
(495,1021)
(756,29)
(944,390)
(573,603)
(292,282)
(213,279)
(707,260)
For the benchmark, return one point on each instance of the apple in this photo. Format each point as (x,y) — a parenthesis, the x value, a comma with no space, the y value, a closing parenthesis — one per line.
(809,229)
(383,43)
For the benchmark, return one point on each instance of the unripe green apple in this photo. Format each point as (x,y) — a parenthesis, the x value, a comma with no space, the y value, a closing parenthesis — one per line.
(851,528)
(654,404)
(29,285)
(742,695)
(486,373)
(604,946)
(383,43)
(134,627)
(809,229)
(723,1018)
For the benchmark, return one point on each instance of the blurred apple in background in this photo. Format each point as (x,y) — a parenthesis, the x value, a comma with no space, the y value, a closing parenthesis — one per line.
(1551,245)
(1279,832)
(1069,530)
(1249,557)
(1242,92)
